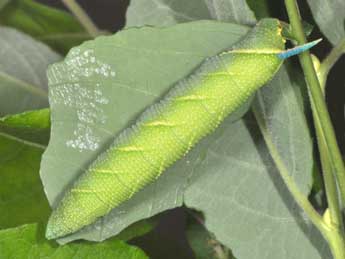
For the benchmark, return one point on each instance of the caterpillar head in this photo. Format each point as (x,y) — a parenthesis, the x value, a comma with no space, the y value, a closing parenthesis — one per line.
(267,38)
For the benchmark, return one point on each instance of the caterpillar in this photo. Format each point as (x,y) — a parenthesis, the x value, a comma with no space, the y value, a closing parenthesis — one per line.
(167,130)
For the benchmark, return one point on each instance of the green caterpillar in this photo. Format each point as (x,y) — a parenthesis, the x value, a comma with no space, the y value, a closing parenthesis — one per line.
(169,129)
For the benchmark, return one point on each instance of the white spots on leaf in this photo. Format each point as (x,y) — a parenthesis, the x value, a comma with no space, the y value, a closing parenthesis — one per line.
(84,138)
(80,65)
(77,84)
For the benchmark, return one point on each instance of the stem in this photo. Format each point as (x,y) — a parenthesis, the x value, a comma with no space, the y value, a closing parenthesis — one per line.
(327,168)
(330,60)
(336,243)
(82,17)
(330,155)
(316,95)
(329,179)
(330,232)
(299,197)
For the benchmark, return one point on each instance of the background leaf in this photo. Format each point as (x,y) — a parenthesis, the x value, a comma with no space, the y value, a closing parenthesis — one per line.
(28,242)
(228,176)
(22,141)
(22,199)
(3,3)
(32,126)
(164,12)
(23,63)
(56,28)
(330,16)
(261,8)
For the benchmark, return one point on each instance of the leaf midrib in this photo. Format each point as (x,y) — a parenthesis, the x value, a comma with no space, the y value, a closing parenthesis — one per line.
(24,85)
(23,141)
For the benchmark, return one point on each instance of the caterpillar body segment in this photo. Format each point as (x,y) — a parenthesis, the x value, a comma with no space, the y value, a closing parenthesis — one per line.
(165,132)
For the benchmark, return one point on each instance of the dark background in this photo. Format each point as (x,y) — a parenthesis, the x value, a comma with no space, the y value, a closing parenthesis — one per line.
(167,240)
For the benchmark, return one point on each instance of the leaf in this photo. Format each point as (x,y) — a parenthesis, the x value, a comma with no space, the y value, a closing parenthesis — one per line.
(56,28)
(23,63)
(164,13)
(330,16)
(3,3)
(261,8)
(28,242)
(32,126)
(228,176)
(22,199)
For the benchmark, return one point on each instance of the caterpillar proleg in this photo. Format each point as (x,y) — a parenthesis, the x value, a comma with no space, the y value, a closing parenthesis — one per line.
(193,108)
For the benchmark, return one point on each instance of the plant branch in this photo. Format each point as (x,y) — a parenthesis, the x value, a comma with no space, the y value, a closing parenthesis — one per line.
(316,95)
(299,197)
(329,151)
(327,168)
(329,179)
(82,17)
(329,62)
(330,232)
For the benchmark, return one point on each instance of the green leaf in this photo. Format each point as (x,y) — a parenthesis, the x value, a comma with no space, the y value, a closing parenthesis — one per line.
(260,8)
(28,242)
(3,3)
(56,28)
(330,16)
(229,176)
(23,63)
(31,126)
(22,199)
(163,13)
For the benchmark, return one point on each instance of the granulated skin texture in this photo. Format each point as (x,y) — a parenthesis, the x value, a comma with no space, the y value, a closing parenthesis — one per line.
(166,131)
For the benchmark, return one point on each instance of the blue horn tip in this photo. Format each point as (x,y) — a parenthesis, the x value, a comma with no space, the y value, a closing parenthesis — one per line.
(298,49)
